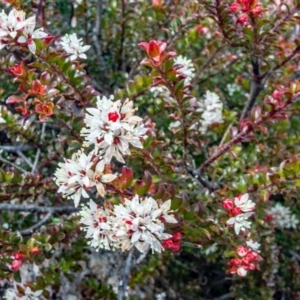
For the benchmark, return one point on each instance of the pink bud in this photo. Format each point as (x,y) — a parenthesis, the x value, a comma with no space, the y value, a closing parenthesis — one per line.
(242,19)
(277,94)
(168,244)
(252,255)
(257,10)
(236,261)
(227,204)
(234,7)
(19,256)
(176,236)
(35,251)
(16,265)
(235,211)
(176,247)
(242,251)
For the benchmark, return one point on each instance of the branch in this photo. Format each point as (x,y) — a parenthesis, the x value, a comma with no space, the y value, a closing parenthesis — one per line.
(39,209)
(38,153)
(12,164)
(282,21)
(211,186)
(36,226)
(126,274)
(122,38)
(239,137)
(256,87)
(16,148)
(287,59)
(97,33)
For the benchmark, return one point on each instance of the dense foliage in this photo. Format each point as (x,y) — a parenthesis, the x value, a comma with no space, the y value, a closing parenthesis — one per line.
(149,149)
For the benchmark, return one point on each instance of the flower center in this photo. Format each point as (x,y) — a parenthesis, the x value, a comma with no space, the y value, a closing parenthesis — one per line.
(113,116)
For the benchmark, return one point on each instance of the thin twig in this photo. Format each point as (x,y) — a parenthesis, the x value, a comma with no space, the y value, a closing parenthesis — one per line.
(12,164)
(122,38)
(211,186)
(141,258)
(256,87)
(126,274)
(97,33)
(16,148)
(39,209)
(36,226)
(239,137)
(28,162)
(38,153)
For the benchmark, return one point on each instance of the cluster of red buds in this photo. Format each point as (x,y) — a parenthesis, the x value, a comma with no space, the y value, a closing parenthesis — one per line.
(248,260)
(246,8)
(173,243)
(19,258)
(18,261)
(37,93)
(239,212)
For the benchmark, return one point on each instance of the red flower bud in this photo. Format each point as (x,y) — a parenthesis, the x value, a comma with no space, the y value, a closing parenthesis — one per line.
(16,265)
(235,211)
(35,251)
(19,256)
(176,236)
(168,244)
(176,247)
(227,204)
(234,7)
(242,251)
(242,19)
(277,94)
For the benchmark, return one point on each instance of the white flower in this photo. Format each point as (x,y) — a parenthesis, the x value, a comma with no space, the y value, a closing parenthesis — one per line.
(74,46)
(211,249)
(136,223)
(97,224)
(244,203)
(240,222)
(187,68)
(111,127)
(14,293)
(232,88)
(211,108)
(75,176)
(241,271)
(282,217)
(29,34)
(140,223)
(11,23)
(253,245)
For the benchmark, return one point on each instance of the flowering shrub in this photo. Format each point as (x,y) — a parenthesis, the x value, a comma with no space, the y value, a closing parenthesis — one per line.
(149,141)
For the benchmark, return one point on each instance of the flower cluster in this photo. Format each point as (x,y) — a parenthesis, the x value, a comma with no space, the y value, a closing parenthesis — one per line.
(74,46)
(15,29)
(80,174)
(247,259)
(211,108)
(239,210)
(111,127)
(282,217)
(244,8)
(173,243)
(24,289)
(135,223)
